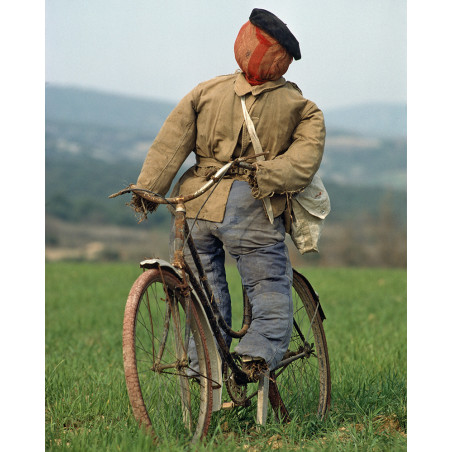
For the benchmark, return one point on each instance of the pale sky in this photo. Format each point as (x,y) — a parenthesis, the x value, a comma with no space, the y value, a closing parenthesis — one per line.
(353,51)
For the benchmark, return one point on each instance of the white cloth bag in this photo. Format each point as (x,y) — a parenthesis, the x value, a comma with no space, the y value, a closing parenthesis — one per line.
(309,210)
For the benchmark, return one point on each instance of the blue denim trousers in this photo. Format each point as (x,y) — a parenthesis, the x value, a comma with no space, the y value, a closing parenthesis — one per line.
(264,266)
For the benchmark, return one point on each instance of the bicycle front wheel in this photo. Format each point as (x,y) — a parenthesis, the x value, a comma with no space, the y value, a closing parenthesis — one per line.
(302,383)
(166,392)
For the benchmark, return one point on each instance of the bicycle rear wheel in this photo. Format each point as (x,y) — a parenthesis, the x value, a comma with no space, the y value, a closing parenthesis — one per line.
(303,385)
(166,394)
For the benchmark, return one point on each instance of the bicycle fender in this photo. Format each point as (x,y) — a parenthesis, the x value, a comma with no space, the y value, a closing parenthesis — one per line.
(313,293)
(156,263)
(215,359)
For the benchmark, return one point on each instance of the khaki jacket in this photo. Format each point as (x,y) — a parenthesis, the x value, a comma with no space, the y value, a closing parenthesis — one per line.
(209,122)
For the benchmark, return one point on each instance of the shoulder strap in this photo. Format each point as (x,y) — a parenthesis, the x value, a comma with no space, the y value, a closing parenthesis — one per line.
(252,131)
(257,149)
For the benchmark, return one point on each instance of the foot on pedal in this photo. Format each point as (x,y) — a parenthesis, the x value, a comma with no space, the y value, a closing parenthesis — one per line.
(254,367)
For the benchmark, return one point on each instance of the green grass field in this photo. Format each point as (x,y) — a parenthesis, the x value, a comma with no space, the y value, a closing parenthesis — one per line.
(87,407)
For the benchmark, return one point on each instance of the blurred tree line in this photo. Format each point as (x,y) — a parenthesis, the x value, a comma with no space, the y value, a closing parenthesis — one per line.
(366,227)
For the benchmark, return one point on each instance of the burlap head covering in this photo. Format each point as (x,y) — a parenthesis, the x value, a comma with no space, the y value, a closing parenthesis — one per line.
(260,56)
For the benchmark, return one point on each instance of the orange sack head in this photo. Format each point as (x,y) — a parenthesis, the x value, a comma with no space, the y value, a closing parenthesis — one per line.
(265,47)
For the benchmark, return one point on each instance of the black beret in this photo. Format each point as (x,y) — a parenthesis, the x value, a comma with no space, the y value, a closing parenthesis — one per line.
(277,29)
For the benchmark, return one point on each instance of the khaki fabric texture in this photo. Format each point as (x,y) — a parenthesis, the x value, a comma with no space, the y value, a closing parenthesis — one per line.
(209,122)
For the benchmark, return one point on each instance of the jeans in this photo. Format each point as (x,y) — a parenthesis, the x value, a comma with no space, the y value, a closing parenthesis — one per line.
(264,266)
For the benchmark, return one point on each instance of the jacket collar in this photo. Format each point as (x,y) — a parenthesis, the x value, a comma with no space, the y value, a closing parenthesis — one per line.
(242,87)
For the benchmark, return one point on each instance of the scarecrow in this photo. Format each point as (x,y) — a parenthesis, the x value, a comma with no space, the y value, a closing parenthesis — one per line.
(245,214)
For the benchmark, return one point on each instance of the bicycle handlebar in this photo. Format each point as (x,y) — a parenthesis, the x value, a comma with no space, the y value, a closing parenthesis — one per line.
(158,199)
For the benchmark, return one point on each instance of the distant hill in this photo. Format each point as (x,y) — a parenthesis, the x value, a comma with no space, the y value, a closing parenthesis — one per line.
(374,120)
(82,106)
(96,143)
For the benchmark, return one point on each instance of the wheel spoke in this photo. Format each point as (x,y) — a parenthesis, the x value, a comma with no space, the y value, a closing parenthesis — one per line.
(166,325)
(156,335)
(301,384)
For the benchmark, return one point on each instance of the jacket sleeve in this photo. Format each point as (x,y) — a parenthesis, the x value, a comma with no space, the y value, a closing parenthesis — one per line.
(174,142)
(294,169)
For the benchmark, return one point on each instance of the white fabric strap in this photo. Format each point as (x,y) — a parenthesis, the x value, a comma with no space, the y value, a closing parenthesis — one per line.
(257,149)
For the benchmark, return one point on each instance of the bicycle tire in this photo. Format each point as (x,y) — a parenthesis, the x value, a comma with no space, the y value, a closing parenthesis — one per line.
(156,330)
(303,386)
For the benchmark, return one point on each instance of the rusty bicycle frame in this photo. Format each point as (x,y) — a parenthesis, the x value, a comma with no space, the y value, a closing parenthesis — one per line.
(204,291)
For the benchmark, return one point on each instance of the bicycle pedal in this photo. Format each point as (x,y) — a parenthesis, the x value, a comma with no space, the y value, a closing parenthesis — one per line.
(228,405)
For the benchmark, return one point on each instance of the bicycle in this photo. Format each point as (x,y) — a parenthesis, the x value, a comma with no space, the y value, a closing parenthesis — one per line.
(170,309)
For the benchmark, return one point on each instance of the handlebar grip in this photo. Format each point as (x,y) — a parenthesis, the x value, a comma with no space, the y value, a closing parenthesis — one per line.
(246,165)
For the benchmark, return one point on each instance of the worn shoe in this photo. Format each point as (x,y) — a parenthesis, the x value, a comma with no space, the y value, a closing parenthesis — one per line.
(254,367)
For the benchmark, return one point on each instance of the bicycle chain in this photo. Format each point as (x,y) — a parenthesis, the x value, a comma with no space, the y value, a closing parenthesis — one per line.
(237,393)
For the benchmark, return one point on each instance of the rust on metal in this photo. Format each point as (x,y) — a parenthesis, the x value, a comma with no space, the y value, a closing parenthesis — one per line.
(179,236)
(275,399)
